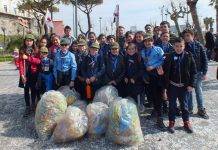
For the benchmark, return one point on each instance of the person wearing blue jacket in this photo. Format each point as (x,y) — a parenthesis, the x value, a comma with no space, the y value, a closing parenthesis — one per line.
(65,66)
(93,69)
(165,44)
(200,57)
(153,60)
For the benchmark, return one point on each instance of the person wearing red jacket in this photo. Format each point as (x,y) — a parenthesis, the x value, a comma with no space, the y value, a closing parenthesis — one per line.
(29,62)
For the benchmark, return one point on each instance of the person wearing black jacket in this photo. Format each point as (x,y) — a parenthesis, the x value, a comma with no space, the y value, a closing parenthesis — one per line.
(200,57)
(114,68)
(179,72)
(134,71)
(210,43)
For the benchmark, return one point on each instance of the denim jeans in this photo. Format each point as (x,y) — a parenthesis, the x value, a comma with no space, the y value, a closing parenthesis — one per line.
(181,94)
(198,92)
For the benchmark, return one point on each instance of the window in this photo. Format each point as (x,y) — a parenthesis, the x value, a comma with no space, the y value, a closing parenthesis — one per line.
(6,8)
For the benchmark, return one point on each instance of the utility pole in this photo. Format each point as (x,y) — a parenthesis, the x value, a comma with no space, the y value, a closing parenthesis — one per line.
(76,18)
(162,12)
(100,24)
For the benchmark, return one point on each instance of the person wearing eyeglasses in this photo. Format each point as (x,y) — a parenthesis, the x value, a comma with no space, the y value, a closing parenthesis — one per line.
(65,66)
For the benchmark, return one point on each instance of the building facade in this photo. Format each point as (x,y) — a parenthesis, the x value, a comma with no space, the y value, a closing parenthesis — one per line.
(13,21)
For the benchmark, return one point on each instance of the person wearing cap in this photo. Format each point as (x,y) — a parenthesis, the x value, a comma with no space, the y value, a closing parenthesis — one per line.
(46,79)
(114,68)
(29,62)
(65,66)
(80,55)
(93,68)
(153,60)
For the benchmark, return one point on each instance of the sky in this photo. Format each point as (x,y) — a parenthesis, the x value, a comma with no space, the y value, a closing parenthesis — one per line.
(132,13)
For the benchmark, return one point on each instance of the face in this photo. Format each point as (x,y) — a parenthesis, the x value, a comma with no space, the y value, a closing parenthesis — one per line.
(188,37)
(149,43)
(165,37)
(179,47)
(56,41)
(92,38)
(29,42)
(139,38)
(81,48)
(43,43)
(157,30)
(130,38)
(44,55)
(102,39)
(67,32)
(121,31)
(164,28)
(111,40)
(148,29)
(131,50)
(93,51)
(115,51)
(64,47)
(74,47)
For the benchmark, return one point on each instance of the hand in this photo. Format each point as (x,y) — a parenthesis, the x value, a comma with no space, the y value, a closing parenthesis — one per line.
(126,80)
(25,57)
(190,89)
(204,77)
(23,79)
(132,81)
(164,95)
(112,83)
(88,81)
(92,79)
(160,70)
(150,68)
(71,85)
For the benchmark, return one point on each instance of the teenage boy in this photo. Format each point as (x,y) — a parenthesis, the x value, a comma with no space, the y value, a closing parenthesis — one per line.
(179,72)
(153,59)
(67,34)
(200,57)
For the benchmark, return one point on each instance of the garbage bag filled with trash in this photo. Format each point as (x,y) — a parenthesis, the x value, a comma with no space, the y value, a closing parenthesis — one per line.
(82,104)
(124,125)
(106,94)
(71,94)
(49,110)
(72,126)
(98,119)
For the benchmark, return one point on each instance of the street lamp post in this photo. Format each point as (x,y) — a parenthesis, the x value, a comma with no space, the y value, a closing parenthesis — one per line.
(100,23)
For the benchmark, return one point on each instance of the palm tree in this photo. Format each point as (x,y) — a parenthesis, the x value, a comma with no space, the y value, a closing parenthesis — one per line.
(193,9)
(208,22)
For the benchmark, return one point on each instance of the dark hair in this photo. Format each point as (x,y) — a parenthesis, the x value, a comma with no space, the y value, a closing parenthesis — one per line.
(24,47)
(156,27)
(165,22)
(128,33)
(101,35)
(111,36)
(178,40)
(141,33)
(91,33)
(147,25)
(74,42)
(121,27)
(67,27)
(188,30)
(164,33)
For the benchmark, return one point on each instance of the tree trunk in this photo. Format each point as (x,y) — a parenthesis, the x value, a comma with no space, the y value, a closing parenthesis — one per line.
(193,10)
(177,27)
(89,22)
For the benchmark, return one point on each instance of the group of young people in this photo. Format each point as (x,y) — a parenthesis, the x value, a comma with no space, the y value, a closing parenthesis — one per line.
(154,63)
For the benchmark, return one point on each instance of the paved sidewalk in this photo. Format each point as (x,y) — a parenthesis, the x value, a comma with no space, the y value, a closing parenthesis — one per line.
(19,133)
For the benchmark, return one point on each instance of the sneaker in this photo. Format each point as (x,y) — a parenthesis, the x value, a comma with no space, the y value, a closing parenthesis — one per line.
(202,113)
(171,128)
(27,112)
(160,124)
(188,128)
